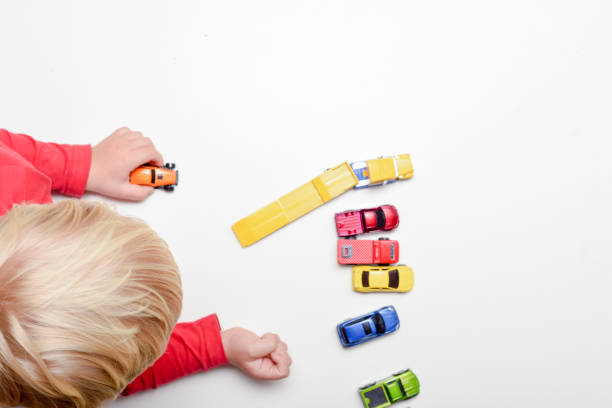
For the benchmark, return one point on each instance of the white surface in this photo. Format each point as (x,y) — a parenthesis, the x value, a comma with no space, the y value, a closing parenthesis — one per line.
(505,108)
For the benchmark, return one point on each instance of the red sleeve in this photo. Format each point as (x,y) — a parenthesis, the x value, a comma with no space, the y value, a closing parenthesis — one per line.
(193,347)
(66,165)
(20,181)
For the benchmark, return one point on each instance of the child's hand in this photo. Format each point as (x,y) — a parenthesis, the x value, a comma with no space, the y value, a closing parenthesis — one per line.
(262,357)
(114,158)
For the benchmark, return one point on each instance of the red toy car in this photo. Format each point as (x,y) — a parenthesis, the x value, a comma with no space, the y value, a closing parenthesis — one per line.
(356,222)
(365,251)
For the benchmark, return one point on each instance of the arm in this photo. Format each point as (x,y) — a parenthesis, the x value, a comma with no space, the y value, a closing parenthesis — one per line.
(193,347)
(21,182)
(67,166)
(201,345)
(103,169)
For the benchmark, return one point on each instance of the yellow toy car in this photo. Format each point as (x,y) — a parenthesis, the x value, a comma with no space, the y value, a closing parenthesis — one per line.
(371,278)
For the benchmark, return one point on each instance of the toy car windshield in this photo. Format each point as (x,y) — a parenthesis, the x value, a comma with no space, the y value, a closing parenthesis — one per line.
(394,278)
(377,397)
(379,322)
(399,387)
(381,220)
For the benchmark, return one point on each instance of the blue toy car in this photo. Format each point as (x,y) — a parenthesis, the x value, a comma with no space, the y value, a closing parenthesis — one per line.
(363,328)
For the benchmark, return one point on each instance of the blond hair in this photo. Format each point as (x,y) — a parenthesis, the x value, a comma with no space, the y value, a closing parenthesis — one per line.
(88,299)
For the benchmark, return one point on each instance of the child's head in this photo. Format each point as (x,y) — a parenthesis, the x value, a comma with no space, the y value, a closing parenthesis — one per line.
(88,299)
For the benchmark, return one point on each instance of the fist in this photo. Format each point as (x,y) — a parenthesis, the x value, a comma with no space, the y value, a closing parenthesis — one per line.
(114,158)
(264,357)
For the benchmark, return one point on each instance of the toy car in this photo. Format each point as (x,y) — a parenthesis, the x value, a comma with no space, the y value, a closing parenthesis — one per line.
(366,251)
(383,170)
(368,278)
(399,387)
(148,175)
(367,327)
(356,222)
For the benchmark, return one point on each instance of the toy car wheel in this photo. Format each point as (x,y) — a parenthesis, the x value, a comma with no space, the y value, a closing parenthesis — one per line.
(170,166)
(367,385)
(400,372)
(169,188)
(383,239)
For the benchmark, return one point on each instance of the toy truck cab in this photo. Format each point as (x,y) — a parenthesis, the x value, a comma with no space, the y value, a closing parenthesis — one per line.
(382,170)
(354,222)
(365,251)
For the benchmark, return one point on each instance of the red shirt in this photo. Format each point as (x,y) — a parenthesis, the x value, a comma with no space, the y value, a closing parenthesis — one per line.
(29,171)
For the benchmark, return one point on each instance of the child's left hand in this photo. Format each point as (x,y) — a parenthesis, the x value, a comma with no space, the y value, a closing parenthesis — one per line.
(114,158)
(264,357)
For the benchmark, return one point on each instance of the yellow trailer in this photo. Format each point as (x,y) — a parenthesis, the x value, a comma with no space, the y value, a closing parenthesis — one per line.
(293,205)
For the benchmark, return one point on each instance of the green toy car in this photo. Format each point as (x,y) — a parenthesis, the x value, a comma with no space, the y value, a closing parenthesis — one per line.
(400,386)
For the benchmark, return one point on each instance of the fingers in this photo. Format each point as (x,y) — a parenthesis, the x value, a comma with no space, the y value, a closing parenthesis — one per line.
(284,348)
(282,360)
(133,192)
(274,366)
(271,336)
(263,346)
(141,149)
(281,356)
(122,131)
(146,154)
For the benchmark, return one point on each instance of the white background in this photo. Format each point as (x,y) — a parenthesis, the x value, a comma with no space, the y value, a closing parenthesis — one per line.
(504,106)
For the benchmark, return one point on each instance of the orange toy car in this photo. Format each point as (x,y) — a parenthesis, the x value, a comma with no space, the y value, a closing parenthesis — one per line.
(159,177)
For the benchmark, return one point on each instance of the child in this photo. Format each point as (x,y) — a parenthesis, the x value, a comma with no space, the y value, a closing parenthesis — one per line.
(90,298)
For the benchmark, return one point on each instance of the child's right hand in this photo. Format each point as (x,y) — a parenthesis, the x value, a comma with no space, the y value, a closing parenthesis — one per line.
(264,357)
(114,158)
